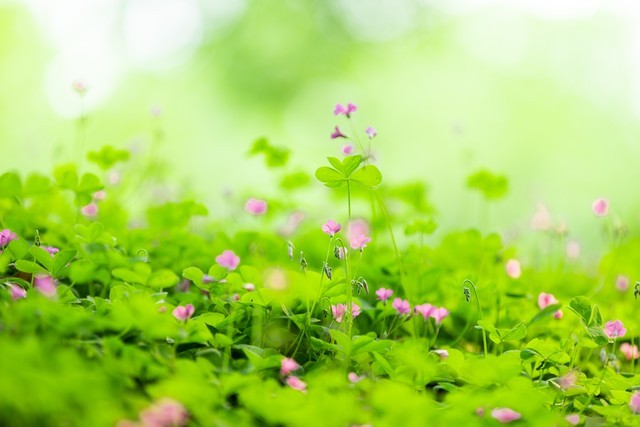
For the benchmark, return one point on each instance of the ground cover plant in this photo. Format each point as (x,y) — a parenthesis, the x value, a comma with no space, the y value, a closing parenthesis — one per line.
(168,315)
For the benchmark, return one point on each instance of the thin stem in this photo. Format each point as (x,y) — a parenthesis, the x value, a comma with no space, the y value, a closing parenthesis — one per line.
(475,293)
(349,200)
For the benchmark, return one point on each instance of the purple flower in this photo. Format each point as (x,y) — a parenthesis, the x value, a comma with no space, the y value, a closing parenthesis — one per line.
(401,306)
(439,314)
(337,134)
(347,149)
(340,310)
(371,132)
(600,207)
(425,309)
(634,403)
(6,236)
(505,415)
(614,329)
(347,111)
(183,312)
(52,250)
(228,259)
(384,294)
(331,227)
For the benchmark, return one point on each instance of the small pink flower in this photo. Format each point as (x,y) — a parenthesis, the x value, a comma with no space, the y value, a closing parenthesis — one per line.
(90,210)
(46,285)
(573,250)
(99,195)
(331,227)
(162,309)
(630,351)
(439,314)
(347,111)
(355,310)
(541,220)
(228,259)
(401,306)
(249,287)
(568,380)
(614,329)
(371,132)
(347,149)
(545,300)
(52,250)
(573,419)
(288,365)
(184,312)
(634,402)
(513,268)
(293,221)
(600,207)
(256,206)
(480,411)
(16,291)
(165,413)
(359,242)
(206,279)
(354,378)
(622,283)
(80,86)
(113,178)
(337,134)
(6,236)
(505,415)
(444,354)
(357,227)
(425,310)
(296,384)
(384,294)
(338,312)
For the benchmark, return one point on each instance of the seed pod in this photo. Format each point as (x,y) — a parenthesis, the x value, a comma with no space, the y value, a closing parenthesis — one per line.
(326,269)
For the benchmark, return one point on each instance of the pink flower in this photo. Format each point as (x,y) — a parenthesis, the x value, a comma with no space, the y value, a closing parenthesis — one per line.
(347,149)
(52,250)
(357,227)
(249,287)
(439,314)
(6,236)
(573,250)
(288,365)
(384,294)
(545,300)
(256,206)
(359,242)
(371,132)
(354,378)
(629,351)
(541,220)
(622,283)
(296,384)
(340,310)
(401,306)
(347,111)
(79,86)
(505,415)
(90,210)
(600,207)
(337,134)
(228,259)
(444,354)
(425,310)
(183,312)
(46,285)
(614,329)
(16,291)
(573,419)
(568,380)
(634,403)
(513,268)
(165,413)
(293,221)
(331,227)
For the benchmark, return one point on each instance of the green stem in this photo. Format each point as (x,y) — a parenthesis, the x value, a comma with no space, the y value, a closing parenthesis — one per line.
(475,293)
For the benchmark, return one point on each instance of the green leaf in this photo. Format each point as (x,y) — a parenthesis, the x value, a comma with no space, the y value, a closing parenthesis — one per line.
(582,307)
(421,227)
(42,256)
(491,186)
(546,312)
(61,259)
(107,157)
(10,185)
(516,333)
(66,176)
(193,273)
(350,164)
(330,177)
(342,339)
(598,335)
(29,267)
(274,156)
(368,176)
(337,164)
(36,185)
(89,183)
(82,271)
(129,276)
(162,279)
(295,180)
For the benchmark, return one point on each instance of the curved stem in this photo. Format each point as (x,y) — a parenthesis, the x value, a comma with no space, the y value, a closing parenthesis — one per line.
(475,293)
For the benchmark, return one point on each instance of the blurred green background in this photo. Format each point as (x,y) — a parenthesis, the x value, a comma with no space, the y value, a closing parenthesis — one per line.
(545,92)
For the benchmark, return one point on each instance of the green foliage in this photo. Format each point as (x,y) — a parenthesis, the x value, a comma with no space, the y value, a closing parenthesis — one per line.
(490,185)
(274,157)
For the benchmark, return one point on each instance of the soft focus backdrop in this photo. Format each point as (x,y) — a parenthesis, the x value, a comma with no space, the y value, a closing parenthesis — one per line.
(545,92)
